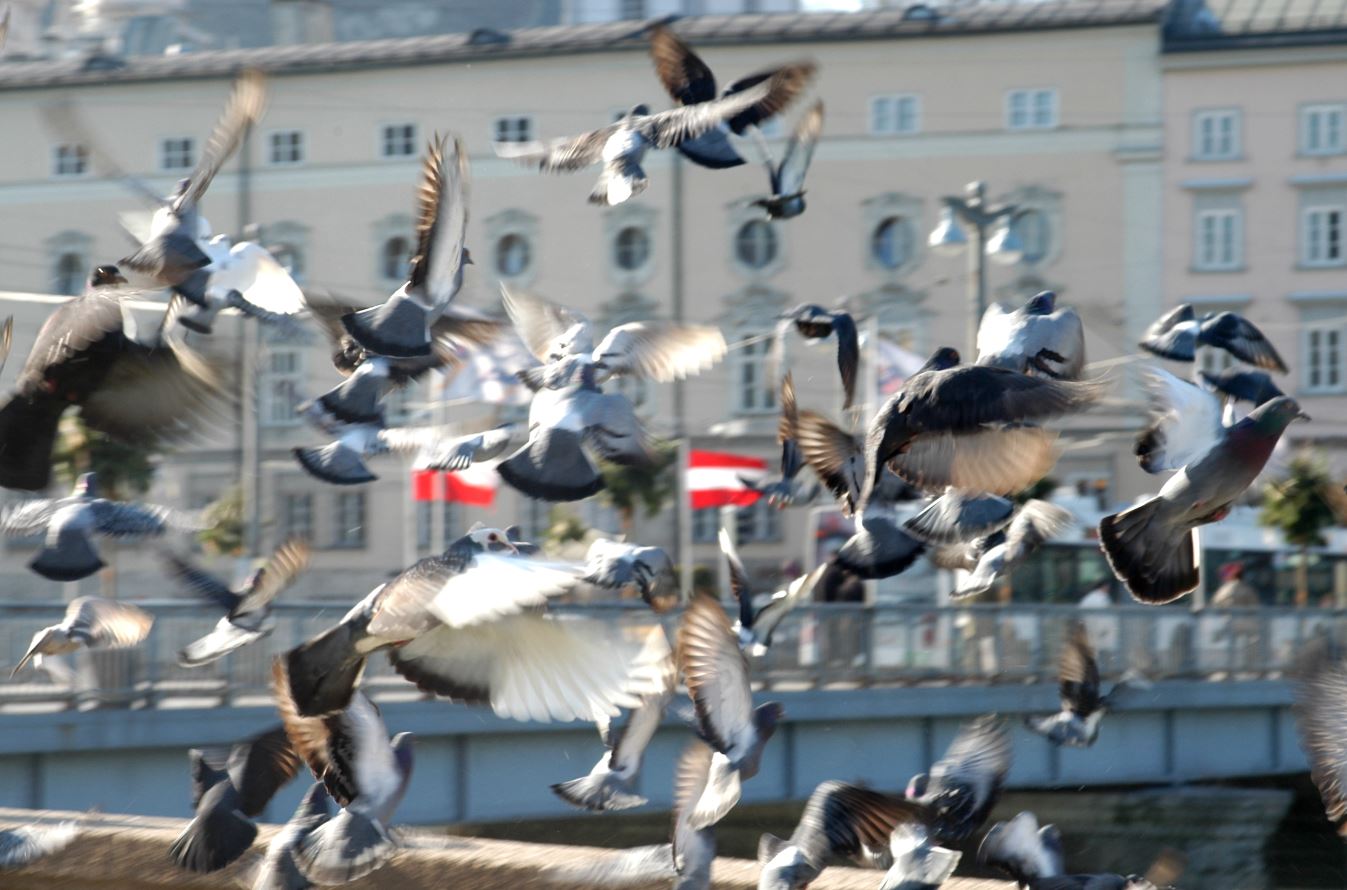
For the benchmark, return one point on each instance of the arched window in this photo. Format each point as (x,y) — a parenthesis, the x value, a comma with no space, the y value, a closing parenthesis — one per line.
(1035,235)
(513,255)
(291,259)
(631,248)
(755,244)
(891,242)
(396,257)
(69,275)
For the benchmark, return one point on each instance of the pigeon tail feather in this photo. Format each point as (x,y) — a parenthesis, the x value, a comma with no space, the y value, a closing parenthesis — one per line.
(601,790)
(397,328)
(28,430)
(334,463)
(1157,565)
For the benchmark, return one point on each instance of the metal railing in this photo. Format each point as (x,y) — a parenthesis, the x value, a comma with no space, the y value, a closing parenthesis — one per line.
(817,646)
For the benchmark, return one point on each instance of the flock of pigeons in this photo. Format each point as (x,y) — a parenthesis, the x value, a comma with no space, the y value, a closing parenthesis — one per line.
(473,625)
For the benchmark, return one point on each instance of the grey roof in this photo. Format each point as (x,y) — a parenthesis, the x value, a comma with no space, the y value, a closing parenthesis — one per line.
(485,43)
(1230,24)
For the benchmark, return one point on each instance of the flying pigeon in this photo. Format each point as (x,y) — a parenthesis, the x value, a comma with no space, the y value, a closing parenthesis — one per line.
(839,821)
(278,870)
(247,617)
(70,523)
(1185,421)
(963,786)
(918,864)
(716,674)
(26,844)
(1177,334)
(228,798)
(785,491)
(996,555)
(1076,725)
(143,394)
(1320,710)
(955,517)
(246,277)
(787,178)
(402,326)
(1242,386)
(755,625)
(815,323)
(1150,546)
(620,147)
(90,622)
(614,565)
(174,256)
(1023,850)
(611,784)
(1036,338)
(689,81)
(962,425)
(342,461)
(364,771)
(467,625)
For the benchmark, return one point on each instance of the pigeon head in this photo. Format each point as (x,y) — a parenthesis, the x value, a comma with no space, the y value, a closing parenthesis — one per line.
(1042,303)
(86,486)
(106,276)
(48,641)
(916,786)
(492,540)
(945,357)
(1273,417)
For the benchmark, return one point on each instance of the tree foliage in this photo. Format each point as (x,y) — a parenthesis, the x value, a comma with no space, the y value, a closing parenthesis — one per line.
(123,471)
(629,488)
(1296,506)
(225,534)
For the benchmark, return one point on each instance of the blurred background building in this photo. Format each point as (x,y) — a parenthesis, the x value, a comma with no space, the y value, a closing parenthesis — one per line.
(1158,152)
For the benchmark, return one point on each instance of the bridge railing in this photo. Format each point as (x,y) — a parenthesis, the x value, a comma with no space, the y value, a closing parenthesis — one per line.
(817,646)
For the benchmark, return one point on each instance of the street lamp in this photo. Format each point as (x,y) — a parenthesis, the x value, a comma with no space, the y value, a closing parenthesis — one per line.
(949,237)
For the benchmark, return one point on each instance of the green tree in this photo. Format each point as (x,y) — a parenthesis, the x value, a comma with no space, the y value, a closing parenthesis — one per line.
(124,472)
(1297,508)
(225,534)
(564,527)
(629,488)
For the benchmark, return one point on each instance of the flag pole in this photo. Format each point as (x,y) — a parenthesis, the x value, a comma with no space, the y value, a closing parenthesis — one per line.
(686,566)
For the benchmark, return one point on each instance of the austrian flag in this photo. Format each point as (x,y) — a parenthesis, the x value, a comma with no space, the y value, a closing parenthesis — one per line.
(475,486)
(715,479)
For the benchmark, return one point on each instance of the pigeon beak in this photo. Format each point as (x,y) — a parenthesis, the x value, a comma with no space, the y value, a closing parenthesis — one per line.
(27,657)
(1301,415)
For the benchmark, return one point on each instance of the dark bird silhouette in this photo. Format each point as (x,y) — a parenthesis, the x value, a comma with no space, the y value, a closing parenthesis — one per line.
(787,178)
(961,788)
(755,625)
(1084,705)
(1242,386)
(815,323)
(1177,334)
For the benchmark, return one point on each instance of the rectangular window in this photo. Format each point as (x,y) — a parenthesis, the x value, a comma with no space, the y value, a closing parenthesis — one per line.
(1323,359)
(518,128)
(424,515)
(1216,135)
(1213,360)
(705,525)
(399,141)
(349,533)
(1031,109)
(895,115)
(177,154)
(286,147)
(758,522)
(297,517)
(632,9)
(1321,129)
(69,160)
(1321,237)
(281,387)
(1219,240)
(754,391)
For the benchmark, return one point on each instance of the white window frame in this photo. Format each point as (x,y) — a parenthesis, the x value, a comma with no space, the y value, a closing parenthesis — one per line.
(287,526)
(72,151)
(272,414)
(705,525)
(1202,152)
(1308,243)
(385,142)
(526,120)
(756,355)
(1215,262)
(1323,109)
(1314,337)
(344,535)
(763,521)
(179,144)
(898,123)
(300,147)
(1030,97)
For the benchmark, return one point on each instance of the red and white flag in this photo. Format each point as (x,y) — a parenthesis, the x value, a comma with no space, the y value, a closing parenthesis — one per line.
(714,478)
(476,486)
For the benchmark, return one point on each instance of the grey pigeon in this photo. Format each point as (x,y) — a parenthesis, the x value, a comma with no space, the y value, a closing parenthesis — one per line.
(246,277)
(1242,386)
(1035,523)
(142,393)
(26,844)
(787,177)
(1320,711)
(918,864)
(401,326)
(1023,850)
(228,798)
(342,461)
(1037,338)
(815,323)
(1177,334)
(620,147)
(957,516)
(70,523)
(468,625)
(90,622)
(1084,705)
(174,255)
(1185,421)
(611,784)
(756,624)
(1150,546)
(840,822)
(963,786)
(689,81)
(963,426)
(364,771)
(247,617)
(278,869)
(785,491)
(454,453)
(716,674)
(615,565)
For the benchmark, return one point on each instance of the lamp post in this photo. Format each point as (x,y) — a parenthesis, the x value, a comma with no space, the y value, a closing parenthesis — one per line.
(1002,244)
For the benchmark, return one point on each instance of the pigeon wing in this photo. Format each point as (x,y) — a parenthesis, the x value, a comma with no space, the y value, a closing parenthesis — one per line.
(687,79)
(800,151)
(1172,335)
(715,672)
(956,517)
(442,221)
(1078,672)
(1320,710)
(660,351)
(1185,423)
(286,563)
(200,582)
(666,129)
(1239,337)
(538,322)
(243,109)
(835,456)
(109,624)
